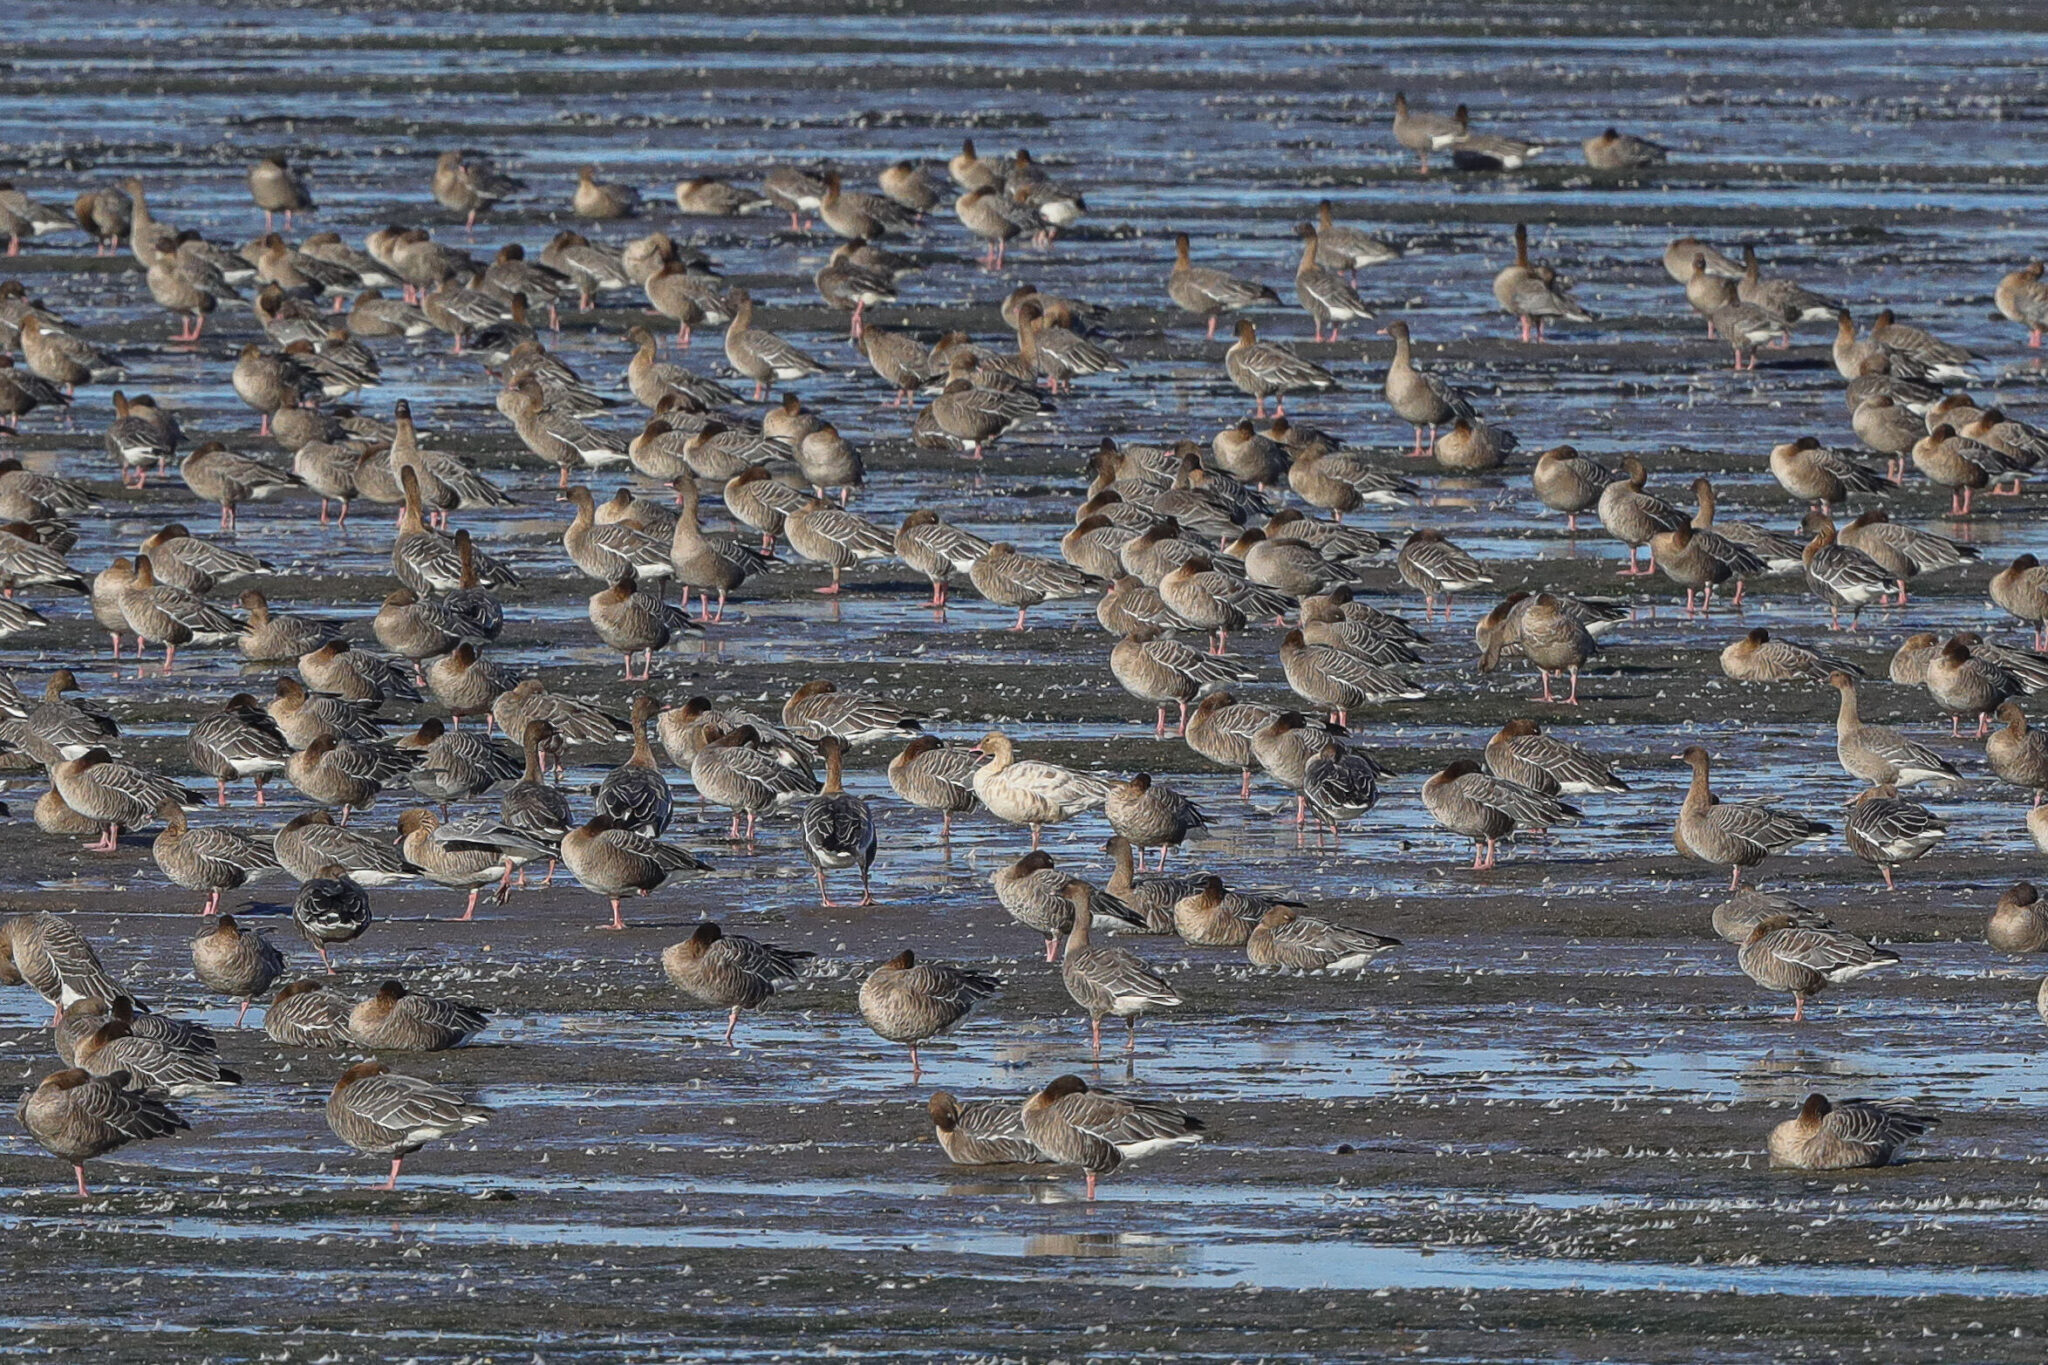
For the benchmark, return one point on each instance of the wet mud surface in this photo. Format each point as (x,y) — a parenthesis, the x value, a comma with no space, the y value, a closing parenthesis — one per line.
(1534,1132)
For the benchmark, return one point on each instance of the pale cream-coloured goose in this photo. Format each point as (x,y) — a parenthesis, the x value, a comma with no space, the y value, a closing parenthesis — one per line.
(1031,791)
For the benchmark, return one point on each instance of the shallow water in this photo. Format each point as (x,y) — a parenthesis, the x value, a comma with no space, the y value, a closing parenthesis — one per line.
(1559,1081)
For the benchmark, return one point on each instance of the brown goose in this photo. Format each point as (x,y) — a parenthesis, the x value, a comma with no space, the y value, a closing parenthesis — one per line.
(1734,834)
(1887,832)
(1151,815)
(381,1113)
(1108,980)
(1757,657)
(2019,923)
(78,1116)
(906,1001)
(2017,753)
(1854,1133)
(934,775)
(612,861)
(1288,940)
(762,356)
(1780,955)
(1467,800)
(239,963)
(303,1015)
(981,1133)
(1074,1126)
(1633,516)
(730,971)
(1418,397)
(1422,132)
(1265,370)
(212,860)
(1210,293)
(1569,482)
(1329,299)
(1879,754)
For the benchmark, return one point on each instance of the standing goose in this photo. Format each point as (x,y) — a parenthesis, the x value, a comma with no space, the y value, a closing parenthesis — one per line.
(1855,1133)
(1532,293)
(1960,465)
(78,1116)
(1841,576)
(1048,343)
(1220,729)
(1034,892)
(635,795)
(459,866)
(730,971)
(937,550)
(1780,955)
(934,775)
(612,862)
(381,1113)
(1779,554)
(762,356)
(217,474)
(1904,551)
(239,963)
(994,216)
(1433,566)
(62,358)
(634,620)
(1264,370)
(308,845)
(1165,671)
(275,187)
(1556,641)
(1806,469)
(838,831)
(470,185)
(705,562)
(1735,834)
(1963,681)
(329,908)
(1210,293)
(734,769)
(1709,294)
(1878,754)
(824,533)
(1338,680)
(1074,1126)
(1466,800)
(906,1001)
(1030,791)
(1633,516)
(1151,815)
(115,795)
(1348,248)
(1422,132)
(1419,398)
(1699,560)
(1472,151)
(1785,300)
(345,773)
(1106,980)
(306,1016)
(1328,299)
(236,741)
(53,959)
(1340,784)
(1010,579)
(820,708)
(1571,483)
(212,860)
(158,611)
(1887,832)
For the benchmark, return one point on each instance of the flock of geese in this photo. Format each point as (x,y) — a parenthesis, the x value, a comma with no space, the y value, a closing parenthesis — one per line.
(1183,547)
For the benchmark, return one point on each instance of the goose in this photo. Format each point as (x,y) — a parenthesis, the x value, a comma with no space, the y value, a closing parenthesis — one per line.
(707,197)
(1807,470)
(1787,301)
(1878,754)
(1534,294)
(1329,301)
(1031,791)
(1105,980)
(381,1113)
(2018,754)
(163,1065)
(1434,567)
(1521,752)
(1151,815)
(1047,342)
(328,908)
(1937,359)
(762,356)
(937,550)
(1072,1125)
(1210,293)
(1568,482)
(1011,579)
(2019,923)
(826,534)
(1759,657)
(217,474)
(1349,248)
(1422,132)
(337,670)
(1633,516)
(236,740)
(555,436)
(934,775)
(907,1001)
(819,708)
(1033,890)
(1698,560)
(346,773)
(239,963)
(1841,576)
(52,958)
(114,794)
(77,1116)
(1263,369)
(1613,150)
(1209,598)
(1735,834)
(1155,668)
(468,184)
(981,1133)
(1337,679)
(212,860)
(736,770)
(1778,554)
(968,416)
(1962,681)
(1287,940)
(837,829)
(2022,298)
(1827,1136)
(1466,800)
(1780,955)
(798,191)
(730,971)
(634,620)
(610,860)
(305,1016)
(1885,831)
(1418,397)
(276,187)
(995,216)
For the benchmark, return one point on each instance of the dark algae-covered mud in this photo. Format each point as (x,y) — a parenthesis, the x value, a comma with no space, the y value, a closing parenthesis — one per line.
(1534,1131)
